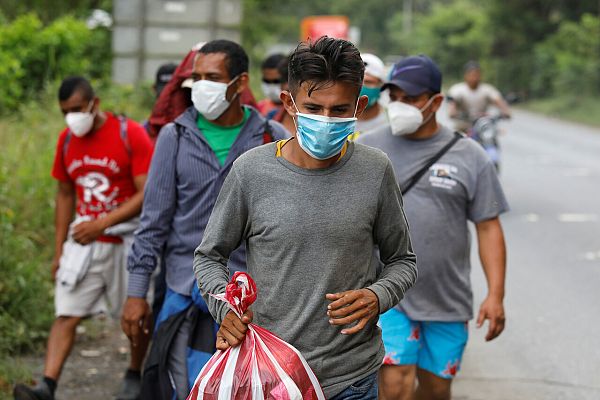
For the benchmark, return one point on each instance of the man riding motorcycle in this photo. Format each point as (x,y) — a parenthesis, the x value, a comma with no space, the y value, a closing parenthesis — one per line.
(468,104)
(471,99)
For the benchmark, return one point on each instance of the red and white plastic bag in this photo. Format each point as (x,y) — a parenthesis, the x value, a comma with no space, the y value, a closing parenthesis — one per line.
(261,367)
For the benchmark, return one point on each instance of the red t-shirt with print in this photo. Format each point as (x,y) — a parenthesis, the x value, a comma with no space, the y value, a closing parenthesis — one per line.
(102,166)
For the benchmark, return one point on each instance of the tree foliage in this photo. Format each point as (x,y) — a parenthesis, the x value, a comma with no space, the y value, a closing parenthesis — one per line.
(31,55)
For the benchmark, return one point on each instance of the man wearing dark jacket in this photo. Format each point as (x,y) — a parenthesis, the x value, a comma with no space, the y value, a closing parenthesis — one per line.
(193,155)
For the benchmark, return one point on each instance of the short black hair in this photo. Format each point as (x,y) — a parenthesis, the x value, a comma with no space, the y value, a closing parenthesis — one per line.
(74,84)
(282,68)
(236,58)
(471,65)
(324,62)
(272,61)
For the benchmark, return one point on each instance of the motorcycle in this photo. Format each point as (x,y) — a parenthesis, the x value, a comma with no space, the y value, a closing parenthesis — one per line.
(485,131)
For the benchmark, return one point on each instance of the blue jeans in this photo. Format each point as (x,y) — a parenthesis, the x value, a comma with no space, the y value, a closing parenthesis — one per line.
(365,389)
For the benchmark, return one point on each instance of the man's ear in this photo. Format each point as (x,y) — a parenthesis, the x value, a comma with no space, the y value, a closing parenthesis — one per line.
(96,106)
(243,82)
(437,102)
(286,99)
(363,101)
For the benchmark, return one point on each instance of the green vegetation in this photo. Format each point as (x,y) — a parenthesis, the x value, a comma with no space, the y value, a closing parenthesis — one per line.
(583,109)
(532,49)
(32,55)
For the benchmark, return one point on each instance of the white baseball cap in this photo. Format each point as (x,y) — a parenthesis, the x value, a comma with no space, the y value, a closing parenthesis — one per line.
(374,66)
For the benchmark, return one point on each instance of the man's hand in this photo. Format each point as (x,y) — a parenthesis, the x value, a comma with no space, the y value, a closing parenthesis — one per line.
(88,231)
(492,310)
(233,330)
(351,306)
(136,319)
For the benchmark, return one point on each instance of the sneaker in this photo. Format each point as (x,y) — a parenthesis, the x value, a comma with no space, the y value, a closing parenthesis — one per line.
(130,388)
(39,392)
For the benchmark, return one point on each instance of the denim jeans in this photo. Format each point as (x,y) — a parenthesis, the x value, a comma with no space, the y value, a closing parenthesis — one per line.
(365,389)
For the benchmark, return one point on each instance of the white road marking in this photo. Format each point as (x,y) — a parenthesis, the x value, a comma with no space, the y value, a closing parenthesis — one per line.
(531,217)
(567,217)
(591,255)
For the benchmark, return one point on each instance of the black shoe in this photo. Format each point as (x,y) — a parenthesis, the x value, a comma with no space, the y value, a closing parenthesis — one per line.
(130,388)
(40,392)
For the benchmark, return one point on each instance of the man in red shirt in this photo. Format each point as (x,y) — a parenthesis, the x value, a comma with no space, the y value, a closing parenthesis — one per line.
(101,164)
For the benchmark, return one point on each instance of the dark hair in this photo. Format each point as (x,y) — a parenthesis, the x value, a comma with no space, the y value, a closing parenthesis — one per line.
(272,61)
(282,68)
(324,62)
(236,58)
(74,84)
(471,65)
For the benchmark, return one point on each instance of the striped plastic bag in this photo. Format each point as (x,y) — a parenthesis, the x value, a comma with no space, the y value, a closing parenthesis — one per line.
(261,367)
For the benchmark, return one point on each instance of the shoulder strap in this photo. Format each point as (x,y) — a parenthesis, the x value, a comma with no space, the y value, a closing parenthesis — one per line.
(123,132)
(66,144)
(415,178)
(267,134)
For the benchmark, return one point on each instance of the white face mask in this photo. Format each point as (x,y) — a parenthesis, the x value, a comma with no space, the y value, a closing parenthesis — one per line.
(209,98)
(406,119)
(80,123)
(272,91)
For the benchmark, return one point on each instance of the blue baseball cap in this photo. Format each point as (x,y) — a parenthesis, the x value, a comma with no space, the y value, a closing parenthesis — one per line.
(415,75)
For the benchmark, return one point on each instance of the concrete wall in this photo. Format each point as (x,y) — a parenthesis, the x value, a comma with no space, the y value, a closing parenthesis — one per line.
(148,33)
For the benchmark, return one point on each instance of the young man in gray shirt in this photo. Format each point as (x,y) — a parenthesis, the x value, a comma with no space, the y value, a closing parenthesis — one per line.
(426,334)
(310,210)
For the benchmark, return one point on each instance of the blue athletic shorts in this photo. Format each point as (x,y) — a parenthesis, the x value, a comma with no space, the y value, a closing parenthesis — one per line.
(436,347)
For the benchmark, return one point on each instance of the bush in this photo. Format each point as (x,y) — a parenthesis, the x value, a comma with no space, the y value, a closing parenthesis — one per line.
(568,61)
(32,55)
(451,34)
(26,228)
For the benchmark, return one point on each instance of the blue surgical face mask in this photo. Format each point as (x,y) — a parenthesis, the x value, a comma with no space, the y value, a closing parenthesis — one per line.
(322,137)
(372,93)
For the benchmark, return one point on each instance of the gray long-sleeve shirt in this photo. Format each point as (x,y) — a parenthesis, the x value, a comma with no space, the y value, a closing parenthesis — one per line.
(183,183)
(309,233)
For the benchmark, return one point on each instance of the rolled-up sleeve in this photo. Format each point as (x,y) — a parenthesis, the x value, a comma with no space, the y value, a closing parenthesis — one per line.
(157,213)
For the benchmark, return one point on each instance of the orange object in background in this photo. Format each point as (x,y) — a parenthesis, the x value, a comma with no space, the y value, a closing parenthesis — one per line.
(335,26)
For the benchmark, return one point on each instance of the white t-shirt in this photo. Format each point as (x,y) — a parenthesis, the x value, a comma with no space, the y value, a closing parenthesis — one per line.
(474,103)
(367,126)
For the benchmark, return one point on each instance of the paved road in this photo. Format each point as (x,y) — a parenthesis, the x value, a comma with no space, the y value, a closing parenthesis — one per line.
(551,346)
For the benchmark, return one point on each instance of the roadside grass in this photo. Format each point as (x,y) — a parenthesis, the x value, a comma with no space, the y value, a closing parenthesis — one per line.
(582,109)
(27,147)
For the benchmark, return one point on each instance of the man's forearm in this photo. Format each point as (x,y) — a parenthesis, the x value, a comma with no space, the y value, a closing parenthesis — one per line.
(492,253)
(65,205)
(212,278)
(127,210)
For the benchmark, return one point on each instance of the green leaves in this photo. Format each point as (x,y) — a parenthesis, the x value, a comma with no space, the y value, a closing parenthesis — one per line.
(31,55)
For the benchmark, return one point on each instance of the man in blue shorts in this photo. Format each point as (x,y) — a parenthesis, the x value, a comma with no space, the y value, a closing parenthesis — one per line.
(426,334)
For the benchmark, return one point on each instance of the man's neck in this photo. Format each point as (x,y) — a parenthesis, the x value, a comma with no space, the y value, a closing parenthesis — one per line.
(370,113)
(234,115)
(426,131)
(293,153)
(100,119)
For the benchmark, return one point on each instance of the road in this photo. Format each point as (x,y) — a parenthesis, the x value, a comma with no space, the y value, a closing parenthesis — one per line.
(551,346)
